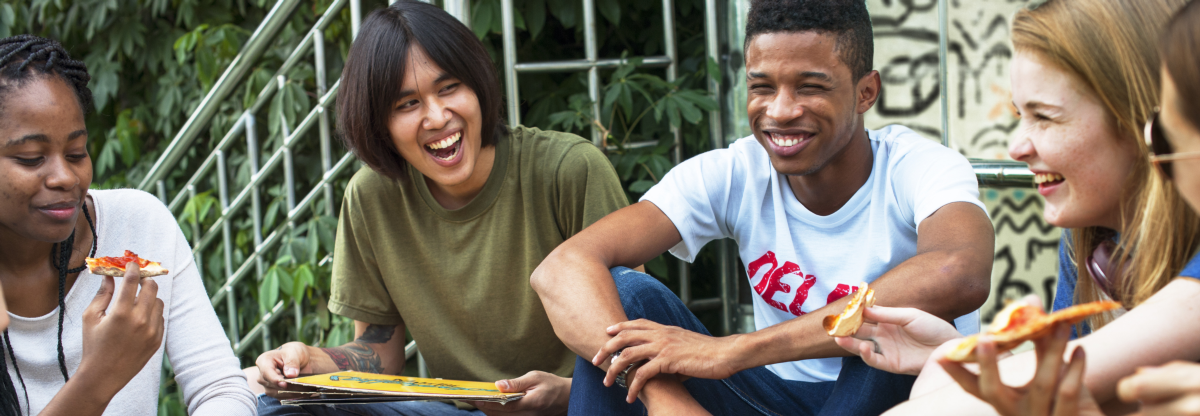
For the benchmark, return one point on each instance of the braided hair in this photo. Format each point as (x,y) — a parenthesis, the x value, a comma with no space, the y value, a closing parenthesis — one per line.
(22,58)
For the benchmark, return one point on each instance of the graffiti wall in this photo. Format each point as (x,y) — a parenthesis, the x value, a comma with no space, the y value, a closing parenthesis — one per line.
(981,119)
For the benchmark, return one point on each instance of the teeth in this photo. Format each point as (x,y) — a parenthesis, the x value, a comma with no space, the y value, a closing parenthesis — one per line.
(1041,178)
(447,142)
(785,140)
(451,156)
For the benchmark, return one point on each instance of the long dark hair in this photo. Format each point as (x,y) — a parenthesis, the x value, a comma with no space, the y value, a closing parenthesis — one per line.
(22,58)
(375,69)
(1180,51)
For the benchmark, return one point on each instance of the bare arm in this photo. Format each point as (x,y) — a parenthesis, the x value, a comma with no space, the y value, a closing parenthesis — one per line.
(574,282)
(949,277)
(1154,333)
(376,349)
(577,289)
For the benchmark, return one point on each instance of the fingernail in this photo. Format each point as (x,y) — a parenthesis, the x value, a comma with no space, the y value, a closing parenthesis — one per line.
(503,384)
(1078,354)
(609,329)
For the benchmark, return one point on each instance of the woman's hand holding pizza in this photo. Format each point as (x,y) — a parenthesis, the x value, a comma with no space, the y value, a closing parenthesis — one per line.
(898,340)
(1053,390)
(119,340)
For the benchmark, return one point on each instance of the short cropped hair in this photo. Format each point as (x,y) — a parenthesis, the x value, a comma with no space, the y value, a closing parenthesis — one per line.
(848,19)
(371,80)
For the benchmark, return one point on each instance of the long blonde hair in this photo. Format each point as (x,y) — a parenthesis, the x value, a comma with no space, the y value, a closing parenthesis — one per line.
(1110,45)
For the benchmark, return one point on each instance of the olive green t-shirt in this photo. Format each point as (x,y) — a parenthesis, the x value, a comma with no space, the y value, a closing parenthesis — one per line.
(459,279)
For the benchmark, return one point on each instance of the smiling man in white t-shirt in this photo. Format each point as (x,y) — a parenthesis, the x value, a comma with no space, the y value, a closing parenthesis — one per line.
(816,204)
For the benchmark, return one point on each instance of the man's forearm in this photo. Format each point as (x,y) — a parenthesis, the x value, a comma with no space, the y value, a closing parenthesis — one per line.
(355,356)
(360,354)
(580,328)
(932,282)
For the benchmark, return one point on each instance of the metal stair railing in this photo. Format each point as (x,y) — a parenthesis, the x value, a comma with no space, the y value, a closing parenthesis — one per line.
(245,128)
(592,64)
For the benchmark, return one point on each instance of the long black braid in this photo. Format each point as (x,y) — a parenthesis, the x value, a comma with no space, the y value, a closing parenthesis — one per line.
(22,58)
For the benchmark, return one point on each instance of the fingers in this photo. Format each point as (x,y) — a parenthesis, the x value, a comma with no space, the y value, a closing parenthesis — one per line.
(1185,405)
(965,378)
(629,356)
(636,324)
(624,339)
(894,316)
(1155,384)
(865,349)
(1072,389)
(125,296)
(1049,367)
(868,330)
(1032,299)
(991,389)
(103,298)
(521,383)
(293,357)
(270,374)
(641,375)
(850,344)
(146,299)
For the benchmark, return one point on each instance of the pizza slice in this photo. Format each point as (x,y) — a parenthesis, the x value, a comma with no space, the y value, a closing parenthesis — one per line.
(115,266)
(848,322)
(1019,322)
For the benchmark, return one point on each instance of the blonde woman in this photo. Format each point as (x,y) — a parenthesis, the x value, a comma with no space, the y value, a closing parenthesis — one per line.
(1084,80)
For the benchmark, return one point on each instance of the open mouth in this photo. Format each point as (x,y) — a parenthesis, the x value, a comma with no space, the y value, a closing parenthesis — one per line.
(1047,179)
(787,140)
(446,149)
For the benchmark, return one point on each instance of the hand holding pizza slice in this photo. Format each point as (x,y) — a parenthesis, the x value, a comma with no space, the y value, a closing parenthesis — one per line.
(115,266)
(848,322)
(1019,322)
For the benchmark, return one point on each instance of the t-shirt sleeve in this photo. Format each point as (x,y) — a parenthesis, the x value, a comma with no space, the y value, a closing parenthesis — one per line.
(1192,269)
(587,189)
(695,196)
(931,176)
(358,290)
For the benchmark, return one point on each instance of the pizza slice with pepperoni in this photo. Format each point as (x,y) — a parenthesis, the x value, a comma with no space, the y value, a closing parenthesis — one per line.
(115,266)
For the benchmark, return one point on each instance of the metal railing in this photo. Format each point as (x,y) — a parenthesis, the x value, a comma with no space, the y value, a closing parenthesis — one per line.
(243,136)
(593,64)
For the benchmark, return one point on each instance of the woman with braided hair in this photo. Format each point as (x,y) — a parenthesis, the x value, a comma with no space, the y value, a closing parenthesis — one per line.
(78,343)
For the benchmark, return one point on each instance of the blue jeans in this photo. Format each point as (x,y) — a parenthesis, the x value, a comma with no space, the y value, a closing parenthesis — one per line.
(859,389)
(269,406)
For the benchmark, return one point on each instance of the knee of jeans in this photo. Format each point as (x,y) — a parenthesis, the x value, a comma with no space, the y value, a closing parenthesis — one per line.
(636,288)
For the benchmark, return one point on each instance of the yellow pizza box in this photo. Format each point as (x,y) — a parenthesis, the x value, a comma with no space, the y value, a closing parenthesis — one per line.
(408,387)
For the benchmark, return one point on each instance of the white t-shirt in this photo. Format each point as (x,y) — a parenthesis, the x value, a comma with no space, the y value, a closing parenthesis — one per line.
(798,261)
(205,368)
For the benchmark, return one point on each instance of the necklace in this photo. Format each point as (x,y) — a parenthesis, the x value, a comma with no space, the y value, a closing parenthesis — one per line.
(65,250)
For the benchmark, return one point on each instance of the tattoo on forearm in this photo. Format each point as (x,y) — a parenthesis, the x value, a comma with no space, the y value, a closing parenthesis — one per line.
(357,356)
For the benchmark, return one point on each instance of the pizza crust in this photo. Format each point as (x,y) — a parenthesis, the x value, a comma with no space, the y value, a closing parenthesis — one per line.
(848,322)
(151,270)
